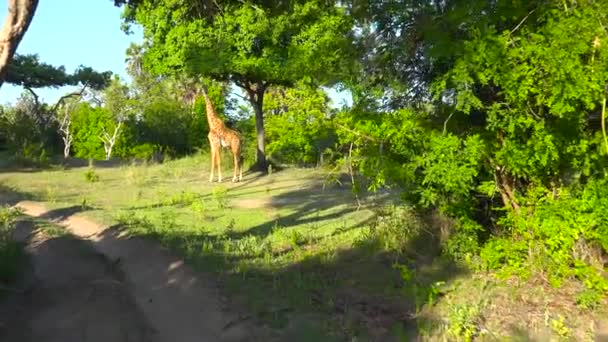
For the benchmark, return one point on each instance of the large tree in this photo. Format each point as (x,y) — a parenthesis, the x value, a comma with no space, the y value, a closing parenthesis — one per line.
(18,19)
(253,44)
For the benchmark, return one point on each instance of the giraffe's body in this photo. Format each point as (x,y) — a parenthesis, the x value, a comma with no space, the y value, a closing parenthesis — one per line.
(221,136)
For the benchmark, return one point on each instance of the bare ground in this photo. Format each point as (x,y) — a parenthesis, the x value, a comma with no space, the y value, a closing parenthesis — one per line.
(100,286)
(69,294)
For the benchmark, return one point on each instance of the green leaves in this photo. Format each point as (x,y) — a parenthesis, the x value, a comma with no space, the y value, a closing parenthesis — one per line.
(28,71)
(247,42)
(298,126)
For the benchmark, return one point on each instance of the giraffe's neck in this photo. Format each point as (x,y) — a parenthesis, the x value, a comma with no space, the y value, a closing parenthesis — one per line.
(212,117)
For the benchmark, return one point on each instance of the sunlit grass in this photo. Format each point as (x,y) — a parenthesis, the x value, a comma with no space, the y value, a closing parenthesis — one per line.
(275,240)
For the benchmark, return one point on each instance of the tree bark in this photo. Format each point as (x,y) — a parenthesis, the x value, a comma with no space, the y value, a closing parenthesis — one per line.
(18,19)
(256,98)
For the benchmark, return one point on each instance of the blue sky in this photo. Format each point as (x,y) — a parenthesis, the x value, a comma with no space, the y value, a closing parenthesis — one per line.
(75,32)
(70,33)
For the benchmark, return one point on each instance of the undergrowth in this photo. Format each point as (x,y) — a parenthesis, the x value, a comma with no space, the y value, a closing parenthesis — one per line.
(11,253)
(559,237)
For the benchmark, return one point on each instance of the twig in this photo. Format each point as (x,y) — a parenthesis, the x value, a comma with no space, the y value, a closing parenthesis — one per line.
(239,95)
(36,98)
(65,97)
(604,122)
(247,317)
(533,112)
(445,123)
(522,21)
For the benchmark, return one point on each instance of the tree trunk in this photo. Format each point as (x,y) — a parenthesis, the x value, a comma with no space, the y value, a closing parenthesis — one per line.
(260,134)
(256,98)
(18,19)
(67,145)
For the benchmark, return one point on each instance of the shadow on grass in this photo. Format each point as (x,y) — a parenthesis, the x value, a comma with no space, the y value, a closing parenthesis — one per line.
(355,292)
(63,213)
(60,163)
(310,295)
(251,191)
(11,196)
(311,205)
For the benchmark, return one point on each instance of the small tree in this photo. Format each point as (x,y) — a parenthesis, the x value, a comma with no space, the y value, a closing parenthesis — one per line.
(110,140)
(64,130)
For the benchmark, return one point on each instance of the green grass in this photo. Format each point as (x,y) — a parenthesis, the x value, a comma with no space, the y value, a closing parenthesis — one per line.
(287,242)
(12,255)
(298,252)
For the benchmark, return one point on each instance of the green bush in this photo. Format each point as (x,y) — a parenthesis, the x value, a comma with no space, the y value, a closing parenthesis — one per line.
(91,176)
(88,124)
(298,125)
(28,141)
(11,253)
(564,236)
(144,151)
(506,138)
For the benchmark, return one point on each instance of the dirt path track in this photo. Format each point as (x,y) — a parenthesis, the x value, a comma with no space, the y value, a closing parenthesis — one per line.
(178,303)
(72,294)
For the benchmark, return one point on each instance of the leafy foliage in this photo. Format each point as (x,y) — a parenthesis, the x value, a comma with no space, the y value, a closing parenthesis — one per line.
(253,45)
(298,125)
(88,124)
(565,236)
(12,255)
(28,71)
(501,130)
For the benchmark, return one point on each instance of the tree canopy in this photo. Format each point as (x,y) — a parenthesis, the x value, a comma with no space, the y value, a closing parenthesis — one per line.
(251,44)
(29,72)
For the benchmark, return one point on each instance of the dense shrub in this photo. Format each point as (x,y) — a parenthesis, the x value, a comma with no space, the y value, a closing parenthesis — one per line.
(11,253)
(564,235)
(298,125)
(509,145)
(88,124)
(28,139)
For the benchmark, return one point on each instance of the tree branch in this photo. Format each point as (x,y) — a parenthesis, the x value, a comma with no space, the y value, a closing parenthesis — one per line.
(65,97)
(358,133)
(36,98)
(240,96)
(522,21)
(38,107)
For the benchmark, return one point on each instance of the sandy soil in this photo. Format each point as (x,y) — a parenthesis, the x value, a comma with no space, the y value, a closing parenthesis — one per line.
(102,286)
(71,294)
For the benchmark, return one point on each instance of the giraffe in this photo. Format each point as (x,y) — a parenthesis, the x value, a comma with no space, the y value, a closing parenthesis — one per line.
(221,136)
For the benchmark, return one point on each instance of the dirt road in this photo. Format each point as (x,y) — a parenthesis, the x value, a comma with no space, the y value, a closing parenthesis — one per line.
(71,294)
(97,285)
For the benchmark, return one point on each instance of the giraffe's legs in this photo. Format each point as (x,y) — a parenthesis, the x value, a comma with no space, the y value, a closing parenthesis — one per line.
(236,166)
(212,162)
(215,147)
(219,163)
